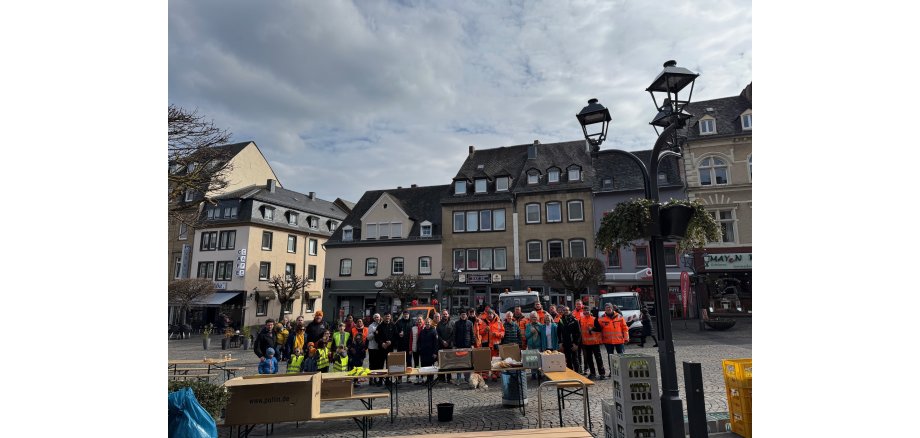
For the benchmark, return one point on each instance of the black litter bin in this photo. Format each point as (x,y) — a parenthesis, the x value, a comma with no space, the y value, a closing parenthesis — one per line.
(445,411)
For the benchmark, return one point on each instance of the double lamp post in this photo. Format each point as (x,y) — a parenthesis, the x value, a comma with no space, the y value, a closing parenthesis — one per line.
(671,117)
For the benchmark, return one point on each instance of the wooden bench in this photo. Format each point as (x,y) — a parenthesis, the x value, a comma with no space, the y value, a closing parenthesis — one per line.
(186,377)
(231,371)
(364,416)
(186,370)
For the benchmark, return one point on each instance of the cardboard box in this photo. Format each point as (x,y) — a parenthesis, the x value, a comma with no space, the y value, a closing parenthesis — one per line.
(396,362)
(336,388)
(455,359)
(274,398)
(509,350)
(552,363)
(482,359)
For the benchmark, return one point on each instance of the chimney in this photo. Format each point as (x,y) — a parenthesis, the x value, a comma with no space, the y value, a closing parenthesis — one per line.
(414,186)
(271,185)
(472,149)
(532,150)
(311,195)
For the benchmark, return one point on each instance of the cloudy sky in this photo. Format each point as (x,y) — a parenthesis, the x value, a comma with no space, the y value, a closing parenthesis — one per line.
(344,97)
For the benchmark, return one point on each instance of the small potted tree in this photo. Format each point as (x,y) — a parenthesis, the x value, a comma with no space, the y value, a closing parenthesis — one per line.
(206,335)
(247,339)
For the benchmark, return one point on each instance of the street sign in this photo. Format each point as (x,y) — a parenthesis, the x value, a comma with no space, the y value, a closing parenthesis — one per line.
(685,289)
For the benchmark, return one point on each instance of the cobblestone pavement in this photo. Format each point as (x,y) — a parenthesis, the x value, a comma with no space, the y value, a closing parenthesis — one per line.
(477,410)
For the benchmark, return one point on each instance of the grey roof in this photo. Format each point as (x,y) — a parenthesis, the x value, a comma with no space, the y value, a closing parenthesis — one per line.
(288,198)
(727,112)
(420,203)
(626,173)
(560,155)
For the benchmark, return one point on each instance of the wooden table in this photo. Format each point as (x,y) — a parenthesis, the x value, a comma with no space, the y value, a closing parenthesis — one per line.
(391,386)
(558,432)
(564,390)
(216,363)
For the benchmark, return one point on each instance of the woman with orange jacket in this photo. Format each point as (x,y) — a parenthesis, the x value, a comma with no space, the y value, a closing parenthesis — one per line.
(590,345)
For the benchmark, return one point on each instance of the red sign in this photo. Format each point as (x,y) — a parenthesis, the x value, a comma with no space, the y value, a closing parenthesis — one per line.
(685,289)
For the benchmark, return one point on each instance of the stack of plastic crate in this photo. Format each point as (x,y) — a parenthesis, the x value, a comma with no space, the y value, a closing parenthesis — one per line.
(737,373)
(609,424)
(636,398)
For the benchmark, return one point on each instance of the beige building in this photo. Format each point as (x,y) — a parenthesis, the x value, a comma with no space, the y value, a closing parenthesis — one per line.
(717,162)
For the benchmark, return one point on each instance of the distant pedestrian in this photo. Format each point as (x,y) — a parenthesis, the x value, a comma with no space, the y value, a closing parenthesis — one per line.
(264,339)
(646,327)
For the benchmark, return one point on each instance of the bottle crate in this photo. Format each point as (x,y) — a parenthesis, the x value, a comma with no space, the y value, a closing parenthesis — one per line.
(636,414)
(643,431)
(740,423)
(636,391)
(739,399)
(737,373)
(632,367)
(607,411)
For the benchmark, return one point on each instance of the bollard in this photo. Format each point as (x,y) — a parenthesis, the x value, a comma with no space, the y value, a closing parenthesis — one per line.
(696,404)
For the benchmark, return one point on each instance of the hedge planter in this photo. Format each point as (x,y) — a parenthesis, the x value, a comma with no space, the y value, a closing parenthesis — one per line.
(246,343)
(206,342)
(674,221)
(720,323)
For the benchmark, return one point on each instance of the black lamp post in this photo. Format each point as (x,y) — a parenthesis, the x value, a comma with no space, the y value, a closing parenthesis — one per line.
(671,117)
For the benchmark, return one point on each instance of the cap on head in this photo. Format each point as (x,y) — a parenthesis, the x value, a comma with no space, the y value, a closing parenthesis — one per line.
(318,314)
(269,351)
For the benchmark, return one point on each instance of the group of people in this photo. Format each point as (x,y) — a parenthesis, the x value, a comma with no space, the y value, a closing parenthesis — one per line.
(317,347)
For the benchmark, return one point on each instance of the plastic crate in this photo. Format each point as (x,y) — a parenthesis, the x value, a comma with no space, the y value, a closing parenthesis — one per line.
(644,431)
(737,373)
(607,410)
(631,367)
(740,423)
(739,399)
(636,414)
(608,431)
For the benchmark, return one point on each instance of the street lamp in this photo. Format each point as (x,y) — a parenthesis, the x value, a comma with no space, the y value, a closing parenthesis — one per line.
(672,117)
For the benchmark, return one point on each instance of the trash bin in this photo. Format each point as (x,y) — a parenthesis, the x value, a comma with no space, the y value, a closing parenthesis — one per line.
(445,411)
(512,383)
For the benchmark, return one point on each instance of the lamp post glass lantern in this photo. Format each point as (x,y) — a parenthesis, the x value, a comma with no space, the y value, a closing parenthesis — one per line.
(671,117)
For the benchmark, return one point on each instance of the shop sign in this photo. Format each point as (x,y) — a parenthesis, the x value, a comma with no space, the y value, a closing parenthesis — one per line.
(685,289)
(478,279)
(737,260)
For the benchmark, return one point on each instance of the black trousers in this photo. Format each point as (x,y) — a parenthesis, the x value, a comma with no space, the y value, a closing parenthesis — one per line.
(593,350)
(376,359)
(572,358)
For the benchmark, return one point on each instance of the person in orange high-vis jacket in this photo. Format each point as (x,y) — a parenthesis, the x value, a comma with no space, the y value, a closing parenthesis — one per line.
(614,331)
(590,345)
(537,307)
(522,322)
(495,332)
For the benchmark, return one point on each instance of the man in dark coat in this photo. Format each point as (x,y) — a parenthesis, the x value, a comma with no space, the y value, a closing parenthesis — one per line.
(463,338)
(570,339)
(264,339)
(445,337)
(385,337)
(316,328)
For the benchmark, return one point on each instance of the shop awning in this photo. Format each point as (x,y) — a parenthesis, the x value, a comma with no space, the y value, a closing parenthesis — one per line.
(265,295)
(215,299)
(314,294)
(642,276)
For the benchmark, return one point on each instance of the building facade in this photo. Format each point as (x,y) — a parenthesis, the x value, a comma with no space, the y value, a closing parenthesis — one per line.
(717,162)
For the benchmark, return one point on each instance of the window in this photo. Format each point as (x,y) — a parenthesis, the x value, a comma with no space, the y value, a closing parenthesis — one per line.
(613,258)
(485,220)
(577,248)
(345,267)
(396,230)
(331,225)
(213,213)
(183,231)
(726,218)
(178,267)
(472,259)
(267,240)
(749,169)
(552,175)
(371,231)
(498,261)
(459,259)
(262,307)
(425,230)
(383,231)
(534,251)
(607,184)
(642,256)
(292,218)
(533,178)
(502,183)
(224,271)
(485,259)
(206,270)
(576,211)
(480,185)
(398,266)
(746,121)
(553,249)
(498,219)
(713,169)
(533,213)
(553,212)
(370,266)
(670,256)
(265,270)
(268,213)
(229,212)
(707,126)
(313,222)
(662,178)
(472,221)
(459,187)
(289,271)
(227,240)
(189,195)
(311,272)
(459,223)
(312,245)
(424,266)
(575,173)
(288,306)
(292,243)
(347,234)
(209,241)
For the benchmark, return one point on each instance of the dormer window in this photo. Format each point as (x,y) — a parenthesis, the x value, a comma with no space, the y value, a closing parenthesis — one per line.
(268,213)
(425,229)
(707,126)
(502,183)
(347,233)
(460,187)
(331,224)
(607,184)
(212,213)
(533,178)
(746,121)
(574,173)
(480,185)
(189,195)
(292,218)
(662,178)
(552,175)
(313,222)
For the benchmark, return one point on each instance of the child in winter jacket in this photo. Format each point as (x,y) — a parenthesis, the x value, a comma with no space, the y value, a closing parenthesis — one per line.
(269,364)
(309,361)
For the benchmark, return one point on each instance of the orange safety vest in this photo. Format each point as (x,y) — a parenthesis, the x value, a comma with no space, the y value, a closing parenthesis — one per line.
(496,332)
(588,335)
(481,331)
(522,325)
(613,330)
(354,333)
(540,315)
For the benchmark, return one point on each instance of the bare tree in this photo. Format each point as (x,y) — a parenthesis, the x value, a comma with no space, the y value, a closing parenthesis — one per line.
(287,289)
(450,279)
(195,163)
(183,292)
(404,286)
(576,274)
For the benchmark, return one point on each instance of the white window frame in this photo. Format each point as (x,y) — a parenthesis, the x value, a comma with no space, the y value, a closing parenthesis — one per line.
(552,175)
(619,260)
(226,240)
(607,184)
(568,211)
(495,215)
(539,248)
(424,265)
(496,258)
(707,126)
(533,178)
(345,268)
(483,214)
(371,231)
(462,216)
(749,169)
(646,262)
(348,234)
(480,183)
(312,246)
(577,172)
(732,222)
(183,231)
(460,187)
(271,239)
(178,272)
(549,249)
(500,181)
(189,195)
(485,259)
(584,248)
(425,229)
(396,230)
(527,210)
(268,270)
(402,266)
(459,262)
(383,231)
(558,206)
(268,213)
(292,218)
(292,244)
(472,221)
(746,121)
(708,165)
(290,269)
(331,225)
(311,273)
(230,212)
(313,222)
(475,253)
(367,266)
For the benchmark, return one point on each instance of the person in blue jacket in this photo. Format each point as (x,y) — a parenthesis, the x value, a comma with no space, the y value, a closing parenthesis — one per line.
(270,364)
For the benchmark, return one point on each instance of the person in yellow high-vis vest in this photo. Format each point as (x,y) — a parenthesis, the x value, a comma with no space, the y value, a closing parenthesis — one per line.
(341,337)
(340,360)
(295,362)
(322,359)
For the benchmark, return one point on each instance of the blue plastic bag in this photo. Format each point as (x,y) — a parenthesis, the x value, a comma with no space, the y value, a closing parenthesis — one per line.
(187,419)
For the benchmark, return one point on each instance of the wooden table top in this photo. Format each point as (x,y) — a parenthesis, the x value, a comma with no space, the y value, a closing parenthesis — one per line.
(556,432)
(568,374)
(208,361)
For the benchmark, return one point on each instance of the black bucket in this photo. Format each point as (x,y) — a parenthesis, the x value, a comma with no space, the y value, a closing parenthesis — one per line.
(445,411)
